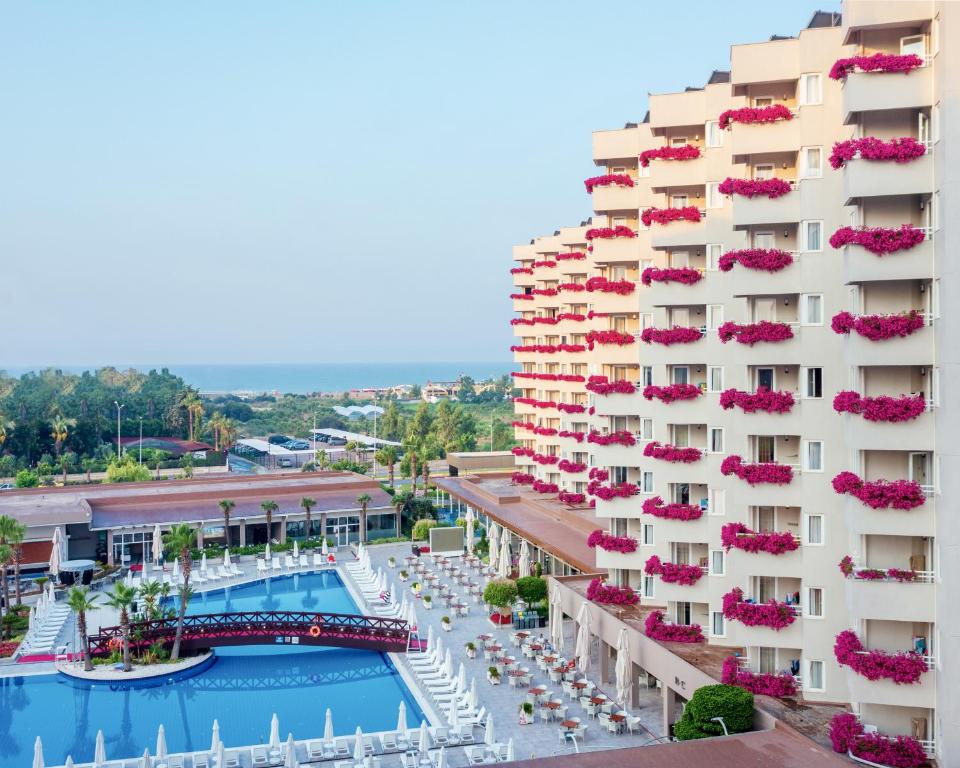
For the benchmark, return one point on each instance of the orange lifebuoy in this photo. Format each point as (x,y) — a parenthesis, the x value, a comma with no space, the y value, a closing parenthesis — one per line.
(314,631)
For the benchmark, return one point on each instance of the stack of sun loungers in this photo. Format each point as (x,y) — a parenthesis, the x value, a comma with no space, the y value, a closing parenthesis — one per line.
(43,635)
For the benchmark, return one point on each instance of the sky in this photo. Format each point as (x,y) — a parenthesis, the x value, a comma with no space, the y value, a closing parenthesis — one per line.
(289,181)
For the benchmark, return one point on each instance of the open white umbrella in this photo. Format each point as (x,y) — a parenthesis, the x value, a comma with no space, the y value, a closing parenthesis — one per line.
(623,669)
(470,521)
(402,718)
(524,559)
(493,539)
(38,754)
(328,726)
(146,761)
(556,619)
(289,759)
(358,746)
(296,550)
(503,561)
(99,751)
(161,742)
(275,732)
(56,552)
(424,744)
(157,544)
(489,736)
(510,754)
(215,737)
(442,758)
(582,651)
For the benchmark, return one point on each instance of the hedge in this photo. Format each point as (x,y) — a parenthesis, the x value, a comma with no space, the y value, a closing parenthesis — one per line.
(733,704)
(532,589)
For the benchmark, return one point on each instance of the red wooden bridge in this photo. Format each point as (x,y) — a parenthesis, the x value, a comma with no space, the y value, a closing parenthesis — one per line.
(341,630)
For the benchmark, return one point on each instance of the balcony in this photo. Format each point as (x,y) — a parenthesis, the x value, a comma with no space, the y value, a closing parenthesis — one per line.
(920,694)
(862,519)
(766,138)
(873,91)
(626,509)
(788,637)
(694,473)
(892,600)
(861,266)
(787,352)
(668,110)
(615,354)
(742,564)
(616,198)
(677,173)
(694,593)
(916,434)
(749,211)
(679,234)
(615,455)
(881,178)
(770,494)
(616,145)
(676,294)
(891,13)
(767,62)
(915,349)
(632,561)
(618,250)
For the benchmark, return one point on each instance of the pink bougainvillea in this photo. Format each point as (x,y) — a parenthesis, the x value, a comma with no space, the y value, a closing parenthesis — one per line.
(521,451)
(903,667)
(623,544)
(902,575)
(764,472)
(522,296)
(668,336)
(608,179)
(882,408)
(548,376)
(578,436)
(901,150)
(571,256)
(654,506)
(738,536)
(545,263)
(762,684)
(749,115)
(570,408)
(606,233)
(610,492)
(618,338)
(657,629)
(607,594)
(771,188)
(570,498)
(571,288)
(672,573)
(763,259)
(521,478)
(599,385)
(880,494)
(573,467)
(603,285)
(752,333)
(545,460)
(619,437)
(534,403)
(541,487)
(847,734)
(685,275)
(598,473)
(672,392)
(655,450)
(667,215)
(548,349)
(772,614)
(684,152)
(878,327)
(878,62)
(521,271)
(763,399)
(879,240)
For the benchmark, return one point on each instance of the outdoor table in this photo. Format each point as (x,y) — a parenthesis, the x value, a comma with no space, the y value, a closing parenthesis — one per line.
(579,685)
(484,638)
(536,647)
(550,659)
(598,700)
(538,690)
(552,705)
(569,724)
(495,648)
(523,635)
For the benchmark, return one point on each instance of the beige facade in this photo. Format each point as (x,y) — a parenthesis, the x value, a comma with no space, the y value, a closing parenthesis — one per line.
(813,366)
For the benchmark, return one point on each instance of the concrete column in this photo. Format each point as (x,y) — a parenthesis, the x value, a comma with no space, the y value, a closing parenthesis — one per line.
(200,537)
(669,707)
(243,533)
(283,530)
(604,662)
(110,547)
(396,517)
(323,524)
(634,685)
(363,527)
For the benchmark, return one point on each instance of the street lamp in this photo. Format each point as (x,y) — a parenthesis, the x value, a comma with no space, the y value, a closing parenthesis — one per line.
(119,408)
(140,457)
(374,435)
(723,724)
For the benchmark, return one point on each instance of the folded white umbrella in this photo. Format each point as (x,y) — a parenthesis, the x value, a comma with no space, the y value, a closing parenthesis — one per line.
(510,755)
(582,651)
(494,541)
(56,552)
(38,754)
(402,718)
(623,669)
(146,761)
(431,638)
(453,716)
(473,700)
(489,736)
(32,618)
(226,558)
(442,758)
(328,726)
(469,532)
(556,619)
(290,759)
(296,549)
(215,738)
(221,758)
(412,616)
(161,742)
(275,732)
(524,559)
(266,552)
(462,679)
(157,543)
(323,547)
(69,763)
(424,743)
(358,746)
(99,751)
(503,561)
(448,665)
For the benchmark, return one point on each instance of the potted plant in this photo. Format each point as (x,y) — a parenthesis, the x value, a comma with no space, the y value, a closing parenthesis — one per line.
(392,561)
(445,624)
(471,649)
(404,575)
(493,675)
(427,602)
(501,594)
(526,713)
(415,588)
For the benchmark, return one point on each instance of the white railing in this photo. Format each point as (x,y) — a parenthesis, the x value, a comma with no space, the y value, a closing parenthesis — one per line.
(919,577)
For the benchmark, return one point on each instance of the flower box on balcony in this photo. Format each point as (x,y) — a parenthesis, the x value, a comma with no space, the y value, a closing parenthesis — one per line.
(753,115)
(620,437)
(521,271)
(684,152)
(607,233)
(883,408)
(900,150)
(547,263)
(763,259)
(738,536)
(684,275)
(610,543)
(603,285)
(541,487)
(672,453)
(847,735)
(570,408)
(548,349)
(754,474)
(878,62)
(879,240)
(752,333)
(878,327)
(608,179)
(668,336)
(657,629)
(570,498)
(573,467)
(571,256)
(578,436)
(672,392)
(902,575)
(522,296)
(762,400)
(772,614)
(607,594)
(761,684)
(609,338)
(599,385)
(522,478)
(544,459)
(770,188)
(673,573)
(654,506)
(903,667)
(668,215)
(881,494)
(610,492)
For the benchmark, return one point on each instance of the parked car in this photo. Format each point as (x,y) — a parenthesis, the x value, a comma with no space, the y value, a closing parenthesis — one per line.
(297,445)
(337,441)
(279,439)
(320,437)
(285,463)
(7,486)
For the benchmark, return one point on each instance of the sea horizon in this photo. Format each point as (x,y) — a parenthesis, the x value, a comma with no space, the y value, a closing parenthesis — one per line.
(299,378)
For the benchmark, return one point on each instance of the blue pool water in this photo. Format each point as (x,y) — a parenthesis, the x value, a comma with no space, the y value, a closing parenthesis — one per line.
(242,688)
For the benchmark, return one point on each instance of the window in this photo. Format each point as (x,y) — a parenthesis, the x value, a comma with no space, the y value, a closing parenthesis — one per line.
(646,481)
(683,613)
(619,221)
(718,562)
(618,169)
(713,133)
(811,162)
(644,171)
(618,474)
(813,530)
(717,624)
(646,320)
(715,378)
(762,101)
(714,316)
(646,534)
(810,89)
(714,198)
(913,44)
(811,235)
(763,171)
(811,308)
(646,375)
(715,440)
(813,456)
(646,429)
(680,374)
(815,602)
(718,502)
(763,240)
(681,435)
(678,141)
(815,675)
(678,201)
(714,251)
(646,587)
(812,382)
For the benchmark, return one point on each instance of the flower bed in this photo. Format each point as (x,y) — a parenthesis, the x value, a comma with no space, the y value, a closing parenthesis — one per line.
(882,408)
(606,233)
(654,506)
(610,338)
(610,543)
(672,573)
(878,62)
(875,574)
(771,188)
(571,498)
(668,336)
(610,492)
(878,327)
(606,594)
(667,215)
(571,256)
(685,152)
(8,648)
(685,275)
(603,285)
(657,629)
(752,333)
(606,180)
(901,150)
(541,487)
(764,259)
(761,684)
(879,240)
(847,735)
(620,437)
(753,115)
(773,614)
(903,668)
(599,385)
(881,494)
(754,474)
(738,536)
(672,392)
(573,467)
(762,400)
(521,478)
(578,436)
(672,453)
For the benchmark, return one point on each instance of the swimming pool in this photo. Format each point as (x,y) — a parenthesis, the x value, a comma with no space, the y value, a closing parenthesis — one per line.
(242,688)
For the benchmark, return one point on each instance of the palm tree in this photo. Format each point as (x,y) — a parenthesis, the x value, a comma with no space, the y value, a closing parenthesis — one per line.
(387,456)
(215,422)
(308,504)
(269,507)
(120,599)
(80,601)
(363,500)
(194,408)
(228,433)
(88,466)
(11,537)
(6,428)
(60,430)
(150,591)
(323,458)
(226,506)
(180,539)
(6,555)
(65,465)
(13,534)
(352,448)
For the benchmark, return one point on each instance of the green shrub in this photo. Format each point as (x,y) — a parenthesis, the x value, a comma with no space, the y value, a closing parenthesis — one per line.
(27,479)
(733,704)
(421,529)
(532,589)
(500,593)
(126,470)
